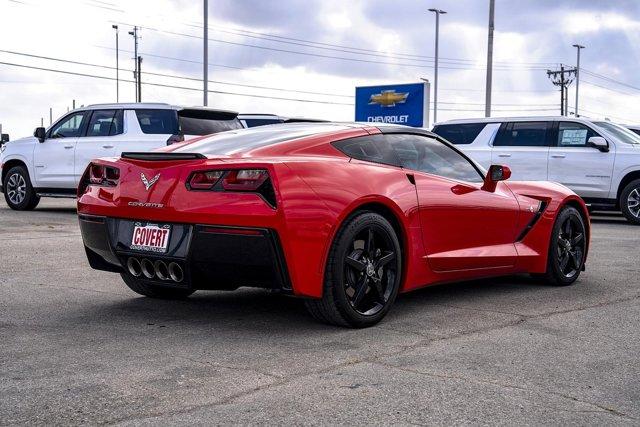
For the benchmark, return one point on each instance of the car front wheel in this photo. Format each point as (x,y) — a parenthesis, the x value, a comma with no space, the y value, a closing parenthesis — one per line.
(630,202)
(362,275)
(567,249)
(18,192)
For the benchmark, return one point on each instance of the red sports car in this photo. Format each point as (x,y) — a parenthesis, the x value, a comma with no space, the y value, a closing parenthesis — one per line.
(344,215)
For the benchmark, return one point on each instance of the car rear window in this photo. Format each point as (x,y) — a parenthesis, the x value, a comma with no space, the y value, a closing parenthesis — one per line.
(155,121)
(459,134)
(253,138)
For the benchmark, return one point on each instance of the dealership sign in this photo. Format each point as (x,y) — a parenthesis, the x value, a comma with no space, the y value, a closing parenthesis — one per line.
(403,104)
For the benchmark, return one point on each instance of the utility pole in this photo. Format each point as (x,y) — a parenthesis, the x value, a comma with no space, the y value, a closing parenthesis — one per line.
(50,116)
(438,12)
(205,68)
(563,79)
(73,103)
(487,101)
(139,79)
(578,48)
(115,27)
(136,71)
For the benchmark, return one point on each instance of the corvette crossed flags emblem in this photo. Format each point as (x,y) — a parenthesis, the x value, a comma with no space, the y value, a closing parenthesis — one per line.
(149,183)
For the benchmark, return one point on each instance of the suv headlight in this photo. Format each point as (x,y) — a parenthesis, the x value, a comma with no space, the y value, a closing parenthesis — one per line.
(2,147)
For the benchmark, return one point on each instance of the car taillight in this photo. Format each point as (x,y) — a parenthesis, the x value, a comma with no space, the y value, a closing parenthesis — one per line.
(204,180)
(241,180)
(244,179)
(103,175)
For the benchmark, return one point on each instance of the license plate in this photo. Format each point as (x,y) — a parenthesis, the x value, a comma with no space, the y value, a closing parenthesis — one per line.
(150,237)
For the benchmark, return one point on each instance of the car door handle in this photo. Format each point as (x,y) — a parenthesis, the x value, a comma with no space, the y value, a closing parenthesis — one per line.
(107,146)
(504,155)
(68,147)
(558,156)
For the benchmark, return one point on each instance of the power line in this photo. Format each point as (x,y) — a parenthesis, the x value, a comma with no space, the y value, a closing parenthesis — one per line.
(175,87)
(68,61)
(317,55)
(609,79)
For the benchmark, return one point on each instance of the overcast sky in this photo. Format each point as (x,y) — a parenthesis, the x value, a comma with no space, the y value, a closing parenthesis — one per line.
(314,53)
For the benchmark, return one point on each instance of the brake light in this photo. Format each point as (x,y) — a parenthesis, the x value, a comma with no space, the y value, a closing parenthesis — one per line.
(204,180)
(244,179)
(103,175)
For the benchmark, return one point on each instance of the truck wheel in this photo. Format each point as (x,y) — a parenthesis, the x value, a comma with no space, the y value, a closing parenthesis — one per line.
(630,202)
(18,192)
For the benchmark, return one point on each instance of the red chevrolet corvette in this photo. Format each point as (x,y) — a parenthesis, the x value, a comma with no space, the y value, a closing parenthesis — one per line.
(344,215)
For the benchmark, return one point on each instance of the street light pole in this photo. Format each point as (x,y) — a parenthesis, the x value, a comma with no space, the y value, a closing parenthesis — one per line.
(578,48)
(205,56)
(115,27)
(487,101)
(438,12)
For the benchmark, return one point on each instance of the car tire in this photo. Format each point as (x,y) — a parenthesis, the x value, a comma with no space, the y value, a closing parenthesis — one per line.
(567,248)
(630,202)
(363,273)
(152,291)
(18,191)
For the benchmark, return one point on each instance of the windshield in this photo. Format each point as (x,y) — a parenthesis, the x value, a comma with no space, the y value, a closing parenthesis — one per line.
(622,133)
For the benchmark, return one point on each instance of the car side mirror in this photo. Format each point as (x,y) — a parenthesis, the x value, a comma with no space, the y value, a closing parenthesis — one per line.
(496,174)
(4,138)
(40,133)
(598,143)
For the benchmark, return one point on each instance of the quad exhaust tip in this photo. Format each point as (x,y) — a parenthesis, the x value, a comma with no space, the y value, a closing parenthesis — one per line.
(159,269)
(134,267)
(175,272)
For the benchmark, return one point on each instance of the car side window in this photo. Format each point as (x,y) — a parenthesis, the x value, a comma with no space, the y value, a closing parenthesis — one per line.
(522,134)
(574,134)
(373,148)
(69,127)
(429,155)
(105,123)
(463,133)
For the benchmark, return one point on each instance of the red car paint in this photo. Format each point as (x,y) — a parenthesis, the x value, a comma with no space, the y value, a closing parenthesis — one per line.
(450,230)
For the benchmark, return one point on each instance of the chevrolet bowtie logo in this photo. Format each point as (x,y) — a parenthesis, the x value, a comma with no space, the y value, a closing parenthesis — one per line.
(388,98)
(149,183)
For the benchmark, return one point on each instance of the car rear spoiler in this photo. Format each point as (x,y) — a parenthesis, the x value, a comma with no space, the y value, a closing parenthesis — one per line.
(154,157)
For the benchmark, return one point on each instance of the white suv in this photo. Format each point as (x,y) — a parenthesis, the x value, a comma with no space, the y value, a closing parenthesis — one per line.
(52,161)
(599,160)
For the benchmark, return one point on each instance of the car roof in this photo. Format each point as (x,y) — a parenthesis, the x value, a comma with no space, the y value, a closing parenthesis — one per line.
(518,119)
(151,105)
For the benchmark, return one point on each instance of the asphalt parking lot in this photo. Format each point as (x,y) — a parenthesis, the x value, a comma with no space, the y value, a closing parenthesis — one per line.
(76,346)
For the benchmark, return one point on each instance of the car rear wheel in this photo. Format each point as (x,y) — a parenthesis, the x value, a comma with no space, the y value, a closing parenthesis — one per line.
(18,192)
(630,202)
(154,291)
(567,249)
(363,273)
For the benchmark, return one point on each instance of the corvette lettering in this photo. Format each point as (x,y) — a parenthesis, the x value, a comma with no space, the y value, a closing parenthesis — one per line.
(145,205)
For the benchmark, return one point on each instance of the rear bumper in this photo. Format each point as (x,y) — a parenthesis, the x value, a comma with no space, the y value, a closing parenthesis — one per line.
(211,256)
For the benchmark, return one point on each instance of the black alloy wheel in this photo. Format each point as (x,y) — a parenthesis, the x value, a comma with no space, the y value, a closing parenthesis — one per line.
(567,249)
(363,273)
(570,246)
(369,271)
